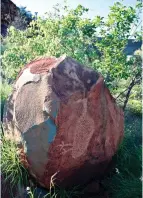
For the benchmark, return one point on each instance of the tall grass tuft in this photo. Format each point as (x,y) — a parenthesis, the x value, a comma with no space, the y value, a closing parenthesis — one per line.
(12,170)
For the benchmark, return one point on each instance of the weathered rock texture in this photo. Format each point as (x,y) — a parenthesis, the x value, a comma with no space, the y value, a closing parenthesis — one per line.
(65,120)
(11,16)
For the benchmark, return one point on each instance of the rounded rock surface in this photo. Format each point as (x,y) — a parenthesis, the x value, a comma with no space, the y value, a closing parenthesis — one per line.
(65,119)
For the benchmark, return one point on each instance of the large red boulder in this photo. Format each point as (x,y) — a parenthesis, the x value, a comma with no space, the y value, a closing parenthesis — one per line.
(65,121)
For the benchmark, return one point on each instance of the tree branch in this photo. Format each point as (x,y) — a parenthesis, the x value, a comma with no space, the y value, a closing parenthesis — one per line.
(121,94)
(133,82)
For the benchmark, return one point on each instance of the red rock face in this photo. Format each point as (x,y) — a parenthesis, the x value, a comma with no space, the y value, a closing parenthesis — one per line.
(66,121)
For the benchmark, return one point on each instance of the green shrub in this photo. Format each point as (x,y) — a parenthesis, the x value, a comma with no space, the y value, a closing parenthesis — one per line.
(68,32)
(5,90)
(135,106)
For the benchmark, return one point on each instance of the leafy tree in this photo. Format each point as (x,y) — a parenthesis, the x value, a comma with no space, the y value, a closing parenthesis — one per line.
(72,34)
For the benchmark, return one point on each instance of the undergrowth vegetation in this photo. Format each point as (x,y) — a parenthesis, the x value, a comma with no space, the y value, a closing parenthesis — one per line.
(10,163)
(5,90)
(127,181)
